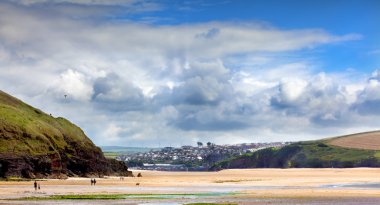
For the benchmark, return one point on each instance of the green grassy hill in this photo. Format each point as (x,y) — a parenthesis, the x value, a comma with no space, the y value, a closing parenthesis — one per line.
(33,143)
(309,154)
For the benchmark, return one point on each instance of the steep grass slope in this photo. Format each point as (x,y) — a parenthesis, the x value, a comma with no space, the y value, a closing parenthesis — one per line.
(33,143)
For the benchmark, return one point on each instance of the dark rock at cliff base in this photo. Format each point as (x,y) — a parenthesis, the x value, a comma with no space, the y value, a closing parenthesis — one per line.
(35,144)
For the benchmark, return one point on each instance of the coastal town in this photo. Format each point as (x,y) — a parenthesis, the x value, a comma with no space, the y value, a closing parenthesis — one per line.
(190,158)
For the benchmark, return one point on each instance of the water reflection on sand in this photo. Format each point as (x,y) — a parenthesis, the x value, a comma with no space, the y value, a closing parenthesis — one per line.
(254,186)
(272,201)
(353,186)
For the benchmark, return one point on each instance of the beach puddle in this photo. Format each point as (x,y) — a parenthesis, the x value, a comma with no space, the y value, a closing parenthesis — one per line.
(166,203)
(178,196)
(353,186)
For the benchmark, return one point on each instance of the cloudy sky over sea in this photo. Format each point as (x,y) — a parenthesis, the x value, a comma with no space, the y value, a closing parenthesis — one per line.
(174,72)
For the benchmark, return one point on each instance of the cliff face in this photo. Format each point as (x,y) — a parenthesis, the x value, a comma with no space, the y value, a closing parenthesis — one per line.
(34,144)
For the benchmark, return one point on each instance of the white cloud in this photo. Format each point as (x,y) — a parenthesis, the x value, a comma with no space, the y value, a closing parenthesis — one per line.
(142,84)
(291,89)
(112,133)
(88,2)
(374,52)
(75,85)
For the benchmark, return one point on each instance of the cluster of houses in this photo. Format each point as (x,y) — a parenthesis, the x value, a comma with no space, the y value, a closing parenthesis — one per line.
(190,157)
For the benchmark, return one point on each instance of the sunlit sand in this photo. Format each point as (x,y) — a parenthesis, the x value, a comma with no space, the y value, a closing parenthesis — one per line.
(245,184)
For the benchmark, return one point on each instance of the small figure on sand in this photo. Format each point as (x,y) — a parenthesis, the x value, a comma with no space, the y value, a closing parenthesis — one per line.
(93,182)
(35,185)
(39,187)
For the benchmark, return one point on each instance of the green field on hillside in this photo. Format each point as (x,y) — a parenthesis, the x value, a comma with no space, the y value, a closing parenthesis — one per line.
(312,154)
(114,151)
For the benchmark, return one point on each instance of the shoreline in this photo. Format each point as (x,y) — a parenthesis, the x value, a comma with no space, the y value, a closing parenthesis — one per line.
(227,185)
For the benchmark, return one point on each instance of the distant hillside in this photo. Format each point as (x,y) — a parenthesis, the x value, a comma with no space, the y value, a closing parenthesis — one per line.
(327,153)
(367,140)
(126,150)
(112,152)
(34,144)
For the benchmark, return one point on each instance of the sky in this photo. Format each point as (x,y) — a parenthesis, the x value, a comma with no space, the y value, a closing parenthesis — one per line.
(174,72)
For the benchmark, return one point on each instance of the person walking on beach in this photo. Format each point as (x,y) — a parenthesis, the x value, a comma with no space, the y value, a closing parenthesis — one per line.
(94,182)
(35,185)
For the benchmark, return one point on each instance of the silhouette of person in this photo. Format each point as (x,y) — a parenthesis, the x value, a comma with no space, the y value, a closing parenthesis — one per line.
(35,185)
(94,182)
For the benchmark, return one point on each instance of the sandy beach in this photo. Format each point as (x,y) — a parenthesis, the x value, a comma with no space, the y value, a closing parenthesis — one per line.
(241,186)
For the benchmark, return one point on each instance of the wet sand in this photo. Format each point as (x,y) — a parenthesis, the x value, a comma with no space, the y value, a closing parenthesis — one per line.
(242,186)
